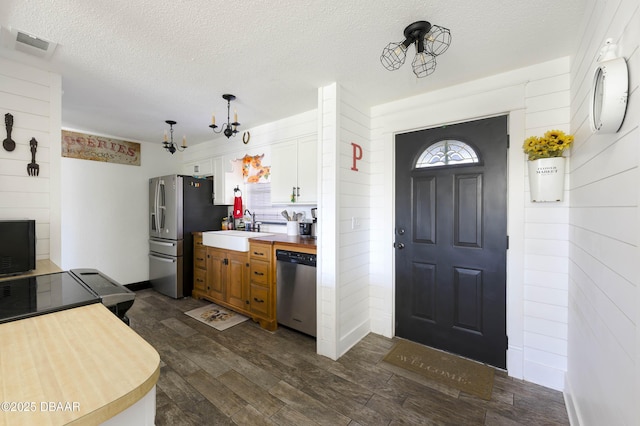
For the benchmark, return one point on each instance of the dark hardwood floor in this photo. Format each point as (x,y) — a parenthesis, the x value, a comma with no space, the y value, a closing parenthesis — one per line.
(248,376)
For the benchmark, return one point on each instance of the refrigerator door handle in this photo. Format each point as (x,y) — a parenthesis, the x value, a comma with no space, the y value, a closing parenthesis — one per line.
(154,215)
(161,204)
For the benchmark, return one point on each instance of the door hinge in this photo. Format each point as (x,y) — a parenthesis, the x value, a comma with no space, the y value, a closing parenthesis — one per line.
(506,340)
(508,141)
(507,242)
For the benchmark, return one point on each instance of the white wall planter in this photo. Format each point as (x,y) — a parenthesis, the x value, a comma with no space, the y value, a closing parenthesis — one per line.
(546,179)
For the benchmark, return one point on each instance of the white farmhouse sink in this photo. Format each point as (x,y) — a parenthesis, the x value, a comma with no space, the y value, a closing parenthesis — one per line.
(230,240)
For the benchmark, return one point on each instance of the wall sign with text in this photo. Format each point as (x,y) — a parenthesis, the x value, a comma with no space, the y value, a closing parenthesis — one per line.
(99,148)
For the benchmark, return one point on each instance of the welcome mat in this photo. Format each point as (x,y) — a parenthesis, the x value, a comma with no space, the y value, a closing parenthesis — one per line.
(459,373)
(216,317)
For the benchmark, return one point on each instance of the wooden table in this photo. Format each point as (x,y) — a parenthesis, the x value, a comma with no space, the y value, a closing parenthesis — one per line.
(85,361)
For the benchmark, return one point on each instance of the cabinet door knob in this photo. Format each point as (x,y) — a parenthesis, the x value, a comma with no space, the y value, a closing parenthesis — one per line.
(258,300)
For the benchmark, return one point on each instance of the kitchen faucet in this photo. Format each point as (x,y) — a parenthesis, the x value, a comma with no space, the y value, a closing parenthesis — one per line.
(252,226)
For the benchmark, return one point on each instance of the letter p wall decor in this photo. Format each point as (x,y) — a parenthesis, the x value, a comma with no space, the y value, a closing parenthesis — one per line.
(357,155)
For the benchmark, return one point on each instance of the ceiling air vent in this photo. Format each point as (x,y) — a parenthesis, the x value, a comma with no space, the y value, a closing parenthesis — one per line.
(30,44)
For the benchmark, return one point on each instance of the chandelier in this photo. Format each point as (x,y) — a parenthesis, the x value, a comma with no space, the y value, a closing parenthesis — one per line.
(168,144)
(430,41)
(229,129)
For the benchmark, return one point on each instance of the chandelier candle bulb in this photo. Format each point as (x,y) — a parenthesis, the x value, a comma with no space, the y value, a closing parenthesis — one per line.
(213,119)
(184,141)
(235,115)
(165,136)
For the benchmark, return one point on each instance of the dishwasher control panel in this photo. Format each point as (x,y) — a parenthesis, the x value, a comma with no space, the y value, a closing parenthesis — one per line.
(296,257)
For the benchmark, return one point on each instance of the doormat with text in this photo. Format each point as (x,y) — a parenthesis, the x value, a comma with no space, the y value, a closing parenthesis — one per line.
(451,370)
(216,317)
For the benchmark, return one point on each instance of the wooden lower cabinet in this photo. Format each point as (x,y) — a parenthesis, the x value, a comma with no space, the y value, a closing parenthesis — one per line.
(262,296)
(239,281)
(199,264)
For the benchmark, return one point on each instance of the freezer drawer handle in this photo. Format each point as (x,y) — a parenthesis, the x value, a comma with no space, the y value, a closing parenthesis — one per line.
(258,273)
(162,259)
(258,300)
(162,243)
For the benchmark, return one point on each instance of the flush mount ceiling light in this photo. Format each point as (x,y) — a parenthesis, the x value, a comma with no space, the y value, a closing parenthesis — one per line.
(430,41)
(229,129)
(168,144)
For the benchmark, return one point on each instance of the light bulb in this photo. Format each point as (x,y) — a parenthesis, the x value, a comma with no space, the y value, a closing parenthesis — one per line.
(423,64)
(437,41)
(393,56)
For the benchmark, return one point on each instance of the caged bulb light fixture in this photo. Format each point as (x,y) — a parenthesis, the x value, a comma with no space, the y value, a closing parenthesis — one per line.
(168,144)
(430,41)
(229,129)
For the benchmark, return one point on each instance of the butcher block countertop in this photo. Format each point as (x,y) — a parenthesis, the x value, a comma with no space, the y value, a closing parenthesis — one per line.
(288,241)
(43,267)
(81,366)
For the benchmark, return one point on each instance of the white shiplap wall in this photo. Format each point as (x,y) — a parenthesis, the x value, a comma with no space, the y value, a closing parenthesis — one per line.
(546,244)
(603,377)
(535,98)
(344,251)
(32,96)
(354,221)
(328,209)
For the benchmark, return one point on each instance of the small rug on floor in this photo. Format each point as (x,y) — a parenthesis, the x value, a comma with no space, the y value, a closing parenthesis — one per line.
(217,317)
(454,371)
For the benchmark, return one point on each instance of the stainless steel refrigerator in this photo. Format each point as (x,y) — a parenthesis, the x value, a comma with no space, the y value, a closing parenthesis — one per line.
(178,206)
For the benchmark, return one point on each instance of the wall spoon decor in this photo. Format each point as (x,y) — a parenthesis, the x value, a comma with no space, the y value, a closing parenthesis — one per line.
(8,143)
(33,169)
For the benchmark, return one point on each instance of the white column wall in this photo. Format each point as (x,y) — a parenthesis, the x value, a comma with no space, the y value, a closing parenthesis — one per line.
(603,377)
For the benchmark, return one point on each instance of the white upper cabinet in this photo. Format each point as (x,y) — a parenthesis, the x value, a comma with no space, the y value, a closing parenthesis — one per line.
(226,178)
(294,168)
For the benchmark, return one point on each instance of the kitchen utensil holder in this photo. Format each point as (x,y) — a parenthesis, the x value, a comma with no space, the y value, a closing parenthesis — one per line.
(293,228)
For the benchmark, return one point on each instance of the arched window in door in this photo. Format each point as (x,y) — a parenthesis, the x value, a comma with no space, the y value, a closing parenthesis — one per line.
(447,153)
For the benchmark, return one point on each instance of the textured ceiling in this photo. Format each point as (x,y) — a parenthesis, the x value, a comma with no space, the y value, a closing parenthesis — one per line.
(129,65)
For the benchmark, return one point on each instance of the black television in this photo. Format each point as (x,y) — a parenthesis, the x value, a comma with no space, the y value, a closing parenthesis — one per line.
(17,246)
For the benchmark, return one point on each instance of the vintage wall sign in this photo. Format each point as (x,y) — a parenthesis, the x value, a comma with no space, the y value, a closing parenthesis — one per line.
(99,148)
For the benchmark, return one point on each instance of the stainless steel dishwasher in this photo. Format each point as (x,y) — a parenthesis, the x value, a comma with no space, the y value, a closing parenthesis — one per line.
(296,290)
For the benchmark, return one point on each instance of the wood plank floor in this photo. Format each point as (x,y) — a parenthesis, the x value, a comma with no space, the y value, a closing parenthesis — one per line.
(248,376)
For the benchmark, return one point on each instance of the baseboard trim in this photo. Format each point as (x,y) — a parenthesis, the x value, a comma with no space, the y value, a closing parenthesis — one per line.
(569,403)
(138,286)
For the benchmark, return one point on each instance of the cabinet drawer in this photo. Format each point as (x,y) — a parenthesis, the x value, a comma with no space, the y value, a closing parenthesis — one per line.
(259,272)
(260,251)
(200,258)
(260,300)
(199,279)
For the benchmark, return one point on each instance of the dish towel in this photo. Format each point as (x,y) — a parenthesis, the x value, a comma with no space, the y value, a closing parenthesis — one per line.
(237,207)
